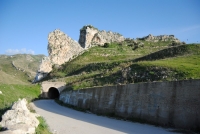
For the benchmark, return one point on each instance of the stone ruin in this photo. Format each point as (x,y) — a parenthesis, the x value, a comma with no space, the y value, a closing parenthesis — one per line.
(152,38)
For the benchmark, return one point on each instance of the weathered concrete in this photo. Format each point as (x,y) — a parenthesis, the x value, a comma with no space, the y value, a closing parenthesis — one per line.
(48,87)
(174,104)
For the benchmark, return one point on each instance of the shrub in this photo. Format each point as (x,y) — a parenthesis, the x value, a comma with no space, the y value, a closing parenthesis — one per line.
(106,45)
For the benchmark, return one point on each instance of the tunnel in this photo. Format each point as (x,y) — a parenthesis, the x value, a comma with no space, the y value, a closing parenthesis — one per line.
(53,93)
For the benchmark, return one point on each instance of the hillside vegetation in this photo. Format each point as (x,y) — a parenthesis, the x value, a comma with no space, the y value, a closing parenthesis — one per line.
(18,69)
(16,75)
(130,62)
(12,92)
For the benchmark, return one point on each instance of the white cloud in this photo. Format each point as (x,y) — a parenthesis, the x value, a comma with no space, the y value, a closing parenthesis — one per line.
(19,51)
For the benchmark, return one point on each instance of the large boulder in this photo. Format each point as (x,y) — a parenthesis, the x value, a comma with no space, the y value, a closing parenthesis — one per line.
(19,120)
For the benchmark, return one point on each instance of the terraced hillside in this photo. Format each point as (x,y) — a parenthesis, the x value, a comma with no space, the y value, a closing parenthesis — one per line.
(130,62)
(18,69)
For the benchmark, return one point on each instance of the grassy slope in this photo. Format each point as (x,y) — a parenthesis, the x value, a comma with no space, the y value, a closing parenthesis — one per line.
(15,83)
(12,92)
(28,65)
(101,57)
(190,65)
(104,66)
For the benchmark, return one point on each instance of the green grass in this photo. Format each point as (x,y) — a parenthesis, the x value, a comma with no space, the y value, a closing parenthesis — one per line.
(15,83)
(42,127)
(101,66)
(100,58)
(116,52)
(12,92)
(27,65)
(189,65)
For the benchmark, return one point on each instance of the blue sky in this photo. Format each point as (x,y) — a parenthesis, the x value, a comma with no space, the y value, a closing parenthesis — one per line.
(25,24)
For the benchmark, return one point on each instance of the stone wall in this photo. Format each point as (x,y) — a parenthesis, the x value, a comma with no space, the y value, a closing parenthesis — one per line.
(174,104)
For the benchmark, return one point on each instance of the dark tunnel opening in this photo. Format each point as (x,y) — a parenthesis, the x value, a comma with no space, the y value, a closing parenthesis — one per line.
(53,93)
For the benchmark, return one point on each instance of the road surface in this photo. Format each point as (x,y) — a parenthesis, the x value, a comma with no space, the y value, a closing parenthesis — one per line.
(62,120)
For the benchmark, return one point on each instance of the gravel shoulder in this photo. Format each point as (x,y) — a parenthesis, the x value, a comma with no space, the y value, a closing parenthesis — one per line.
(62,120)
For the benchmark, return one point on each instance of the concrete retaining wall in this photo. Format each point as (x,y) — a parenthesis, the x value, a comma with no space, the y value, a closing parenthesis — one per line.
(166,103)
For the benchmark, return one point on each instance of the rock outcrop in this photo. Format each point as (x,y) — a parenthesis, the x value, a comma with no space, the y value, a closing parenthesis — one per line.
(19,120)
(61,48)
(91,36)
(150,37)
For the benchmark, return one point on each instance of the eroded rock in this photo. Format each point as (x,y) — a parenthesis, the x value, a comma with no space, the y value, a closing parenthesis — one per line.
(91,36)
(19,120)
(61,48)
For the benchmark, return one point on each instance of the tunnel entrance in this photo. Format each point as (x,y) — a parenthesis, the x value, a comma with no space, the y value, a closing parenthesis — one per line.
(53,93)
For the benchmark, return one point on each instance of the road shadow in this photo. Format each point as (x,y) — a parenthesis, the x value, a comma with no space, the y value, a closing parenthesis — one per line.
(118,125)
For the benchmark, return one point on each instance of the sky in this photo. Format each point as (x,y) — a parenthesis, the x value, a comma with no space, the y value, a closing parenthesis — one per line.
(25,24)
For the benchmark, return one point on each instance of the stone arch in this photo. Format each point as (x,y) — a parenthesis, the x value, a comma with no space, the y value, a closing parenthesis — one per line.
(53,93)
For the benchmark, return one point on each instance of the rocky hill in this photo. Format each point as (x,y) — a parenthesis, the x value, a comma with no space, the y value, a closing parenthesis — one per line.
(107,58)
(62,48)
(121,63)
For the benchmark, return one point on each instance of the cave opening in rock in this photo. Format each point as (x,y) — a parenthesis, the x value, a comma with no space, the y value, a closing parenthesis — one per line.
(53,93)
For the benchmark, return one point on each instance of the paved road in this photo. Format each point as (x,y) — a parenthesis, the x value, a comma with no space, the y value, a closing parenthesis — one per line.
(62,120)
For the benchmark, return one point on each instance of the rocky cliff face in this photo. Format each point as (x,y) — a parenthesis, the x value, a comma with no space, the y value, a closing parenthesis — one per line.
(91,36)
(61,48)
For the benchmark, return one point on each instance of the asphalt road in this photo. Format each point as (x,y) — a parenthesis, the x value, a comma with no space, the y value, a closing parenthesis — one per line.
(62,120)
